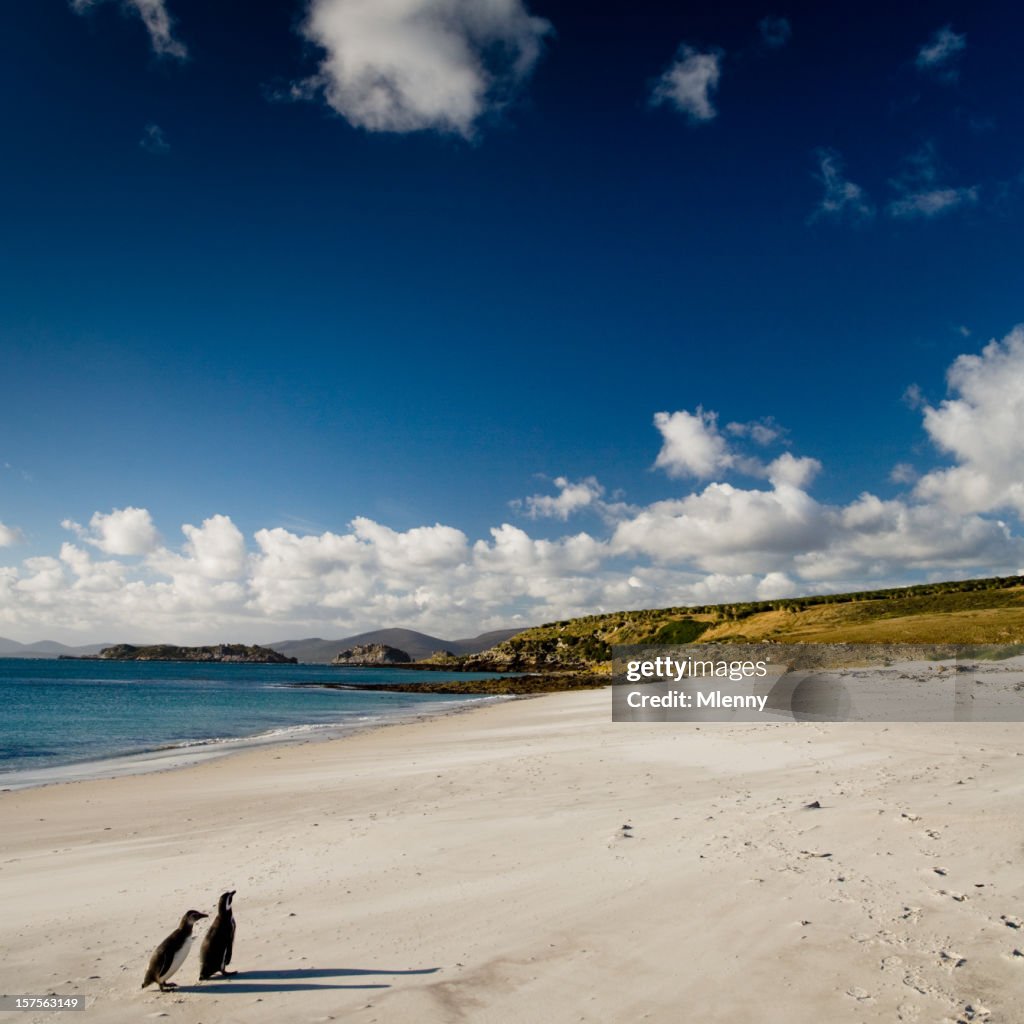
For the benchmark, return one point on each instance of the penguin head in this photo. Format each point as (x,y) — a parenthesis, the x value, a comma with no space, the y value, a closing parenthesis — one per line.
(225,901)
(194,915)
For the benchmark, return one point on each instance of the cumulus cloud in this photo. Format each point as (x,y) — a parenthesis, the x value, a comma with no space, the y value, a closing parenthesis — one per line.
(155,17)
(415,65)
(789,471)
(572,497)
(9,535)
(873,536)
(725,529)
(713,541)
(981,427)
(903,473)
(775,32)
(124,531)
(692,444)
(941,51)
(215,550)
(689,83)
(842,199)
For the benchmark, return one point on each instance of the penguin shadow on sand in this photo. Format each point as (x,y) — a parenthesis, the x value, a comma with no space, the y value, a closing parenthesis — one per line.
(304,979)
(215,956)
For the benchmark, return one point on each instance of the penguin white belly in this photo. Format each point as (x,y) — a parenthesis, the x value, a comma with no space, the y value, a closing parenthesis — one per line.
(179,958)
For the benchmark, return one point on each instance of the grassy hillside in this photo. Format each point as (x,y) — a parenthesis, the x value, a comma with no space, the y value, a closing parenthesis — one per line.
(968,611)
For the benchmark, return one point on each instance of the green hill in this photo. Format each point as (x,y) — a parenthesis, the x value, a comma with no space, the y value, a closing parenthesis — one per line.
(967,611)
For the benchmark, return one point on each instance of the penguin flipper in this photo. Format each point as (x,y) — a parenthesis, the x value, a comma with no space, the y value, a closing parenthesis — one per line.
(205,968)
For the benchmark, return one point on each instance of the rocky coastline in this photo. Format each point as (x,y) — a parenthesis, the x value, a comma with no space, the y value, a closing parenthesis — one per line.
(248,654)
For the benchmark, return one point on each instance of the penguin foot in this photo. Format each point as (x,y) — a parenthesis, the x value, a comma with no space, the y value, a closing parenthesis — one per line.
(229,974)
(168,986)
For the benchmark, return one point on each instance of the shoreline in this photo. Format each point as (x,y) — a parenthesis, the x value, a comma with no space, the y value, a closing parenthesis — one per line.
(188,753)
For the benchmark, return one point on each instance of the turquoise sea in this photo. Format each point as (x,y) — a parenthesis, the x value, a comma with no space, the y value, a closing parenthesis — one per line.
(63,720)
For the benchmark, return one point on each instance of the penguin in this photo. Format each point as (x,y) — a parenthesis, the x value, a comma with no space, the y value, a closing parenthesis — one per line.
(171,953)
(218,942)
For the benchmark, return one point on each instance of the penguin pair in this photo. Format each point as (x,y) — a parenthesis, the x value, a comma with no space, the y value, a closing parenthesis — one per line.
(214,956)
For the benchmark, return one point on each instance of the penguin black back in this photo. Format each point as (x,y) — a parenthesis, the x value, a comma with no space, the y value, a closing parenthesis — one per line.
(171,953)
(219,941)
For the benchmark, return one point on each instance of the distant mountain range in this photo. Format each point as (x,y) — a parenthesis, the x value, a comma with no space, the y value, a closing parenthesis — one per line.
(314,651)
(44,649)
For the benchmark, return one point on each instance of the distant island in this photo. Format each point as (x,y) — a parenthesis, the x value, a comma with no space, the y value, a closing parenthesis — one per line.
(238,653)
(365,655)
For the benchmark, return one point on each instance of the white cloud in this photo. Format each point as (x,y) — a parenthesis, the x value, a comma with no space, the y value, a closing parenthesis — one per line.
(903,473)
(776,585)
(842,198)
(941,50)
(726,529)
(872,537)
(154,16)
(982,429)
(763,432)
(572,497)
(414,65)
(789,471)
(692,444)
(215,551)
(715,542)
(9,536)
(423,547)
(513,550)
(124,531)
(689,82)
(775,32)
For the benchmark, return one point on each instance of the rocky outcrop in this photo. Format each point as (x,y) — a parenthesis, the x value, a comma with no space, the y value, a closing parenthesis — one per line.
(545,654)
(371,654)
(242,653)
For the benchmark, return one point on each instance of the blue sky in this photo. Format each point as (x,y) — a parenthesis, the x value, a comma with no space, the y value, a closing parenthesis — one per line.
(335,314)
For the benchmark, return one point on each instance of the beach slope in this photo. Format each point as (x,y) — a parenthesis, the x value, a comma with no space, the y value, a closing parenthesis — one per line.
(533,861)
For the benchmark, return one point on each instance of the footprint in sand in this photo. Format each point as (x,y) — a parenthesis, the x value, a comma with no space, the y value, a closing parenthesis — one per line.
(623,832)
(915,982)
(973,1013)
(952,960)
(1010,921)
(958,896)
(860,994)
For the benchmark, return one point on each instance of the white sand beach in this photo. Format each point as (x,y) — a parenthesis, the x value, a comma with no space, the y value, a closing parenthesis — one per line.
(532,861)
